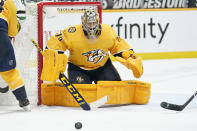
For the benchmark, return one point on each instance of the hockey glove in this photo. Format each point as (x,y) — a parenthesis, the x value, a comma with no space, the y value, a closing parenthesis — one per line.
(53,64)
(131,62)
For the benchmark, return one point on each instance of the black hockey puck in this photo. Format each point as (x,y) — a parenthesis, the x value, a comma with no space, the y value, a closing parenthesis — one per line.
(78,125)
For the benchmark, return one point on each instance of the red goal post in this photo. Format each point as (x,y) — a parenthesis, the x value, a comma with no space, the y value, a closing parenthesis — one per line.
(43,20)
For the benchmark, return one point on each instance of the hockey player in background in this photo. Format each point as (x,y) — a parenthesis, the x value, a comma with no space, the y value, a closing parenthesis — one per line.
(89,45)
(9,27)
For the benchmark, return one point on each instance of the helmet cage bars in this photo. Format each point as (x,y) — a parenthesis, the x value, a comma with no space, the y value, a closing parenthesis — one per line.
(90,22)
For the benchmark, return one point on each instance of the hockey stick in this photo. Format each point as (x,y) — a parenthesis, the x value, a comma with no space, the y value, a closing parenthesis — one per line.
(73,91)
(175,107)
(4,89)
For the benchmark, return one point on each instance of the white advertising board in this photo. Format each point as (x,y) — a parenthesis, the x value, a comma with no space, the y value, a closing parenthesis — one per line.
(164,30)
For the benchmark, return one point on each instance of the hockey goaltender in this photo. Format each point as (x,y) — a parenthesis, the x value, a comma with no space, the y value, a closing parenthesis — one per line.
(89,66)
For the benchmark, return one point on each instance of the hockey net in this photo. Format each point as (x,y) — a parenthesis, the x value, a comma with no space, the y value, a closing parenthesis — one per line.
(43,20)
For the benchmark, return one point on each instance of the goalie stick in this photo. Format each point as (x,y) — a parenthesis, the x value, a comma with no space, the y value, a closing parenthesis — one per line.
(73,91)
(175,107)
(4,89)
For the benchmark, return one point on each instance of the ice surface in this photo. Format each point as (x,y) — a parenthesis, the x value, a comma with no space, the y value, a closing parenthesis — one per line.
(172,81)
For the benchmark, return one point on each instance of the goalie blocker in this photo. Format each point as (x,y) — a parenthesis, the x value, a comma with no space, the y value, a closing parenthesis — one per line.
(53,65)
(118,92)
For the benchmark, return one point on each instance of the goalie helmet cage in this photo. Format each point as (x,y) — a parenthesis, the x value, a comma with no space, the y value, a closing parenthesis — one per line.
(43,20)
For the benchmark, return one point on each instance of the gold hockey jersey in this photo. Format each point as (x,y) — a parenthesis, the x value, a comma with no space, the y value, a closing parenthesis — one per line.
(85,53)
(9,14)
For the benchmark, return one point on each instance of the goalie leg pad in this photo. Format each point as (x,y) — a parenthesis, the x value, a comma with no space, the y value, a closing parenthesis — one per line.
(118,92)
(142,92)
(124,92)
(54,63)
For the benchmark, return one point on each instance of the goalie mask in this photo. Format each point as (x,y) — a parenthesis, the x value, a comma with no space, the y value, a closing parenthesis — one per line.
(90,23)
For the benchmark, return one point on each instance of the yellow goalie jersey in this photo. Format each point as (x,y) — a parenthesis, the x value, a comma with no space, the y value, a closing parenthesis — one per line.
(86,53)
(8,13)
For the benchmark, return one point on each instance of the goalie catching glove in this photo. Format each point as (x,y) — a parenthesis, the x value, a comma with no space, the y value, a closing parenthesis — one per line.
(132,62)
(53,65)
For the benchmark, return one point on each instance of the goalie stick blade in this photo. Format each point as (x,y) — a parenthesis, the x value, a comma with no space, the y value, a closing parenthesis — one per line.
(99,102)
(171,106)
(4,90)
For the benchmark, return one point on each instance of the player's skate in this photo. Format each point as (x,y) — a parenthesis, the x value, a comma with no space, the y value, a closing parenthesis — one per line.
(24,104)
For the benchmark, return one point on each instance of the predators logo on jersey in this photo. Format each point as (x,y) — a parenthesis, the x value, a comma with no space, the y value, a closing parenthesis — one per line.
(71,29)
(95,56)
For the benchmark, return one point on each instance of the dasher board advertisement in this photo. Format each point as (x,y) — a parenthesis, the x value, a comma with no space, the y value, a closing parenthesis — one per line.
(155,30)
